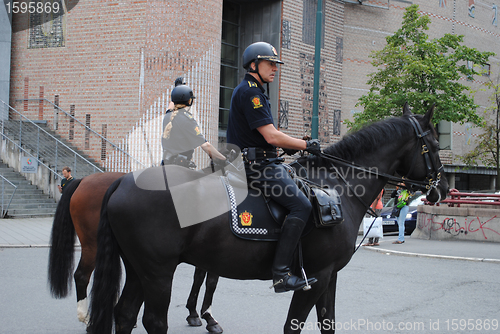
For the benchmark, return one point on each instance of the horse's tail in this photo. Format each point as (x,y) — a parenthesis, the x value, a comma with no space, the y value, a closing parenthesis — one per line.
(107,272)
(62,243)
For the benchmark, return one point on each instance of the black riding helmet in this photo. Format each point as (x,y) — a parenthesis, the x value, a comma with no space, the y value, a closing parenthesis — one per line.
(259,51)
(182,94)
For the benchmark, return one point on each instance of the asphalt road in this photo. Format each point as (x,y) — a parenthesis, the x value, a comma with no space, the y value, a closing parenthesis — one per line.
(376,293)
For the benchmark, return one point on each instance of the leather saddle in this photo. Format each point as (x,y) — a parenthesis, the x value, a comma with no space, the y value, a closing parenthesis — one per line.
(260,218)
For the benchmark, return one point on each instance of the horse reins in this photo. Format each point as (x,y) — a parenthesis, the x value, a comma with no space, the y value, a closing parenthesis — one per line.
(433,176)
(432,179)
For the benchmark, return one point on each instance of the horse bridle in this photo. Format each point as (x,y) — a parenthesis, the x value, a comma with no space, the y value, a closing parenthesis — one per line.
(432,178)
(433,175)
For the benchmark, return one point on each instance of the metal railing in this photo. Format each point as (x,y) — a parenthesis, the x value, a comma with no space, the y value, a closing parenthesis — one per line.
(5,208)
(41,145)
(96,145)
(457,198)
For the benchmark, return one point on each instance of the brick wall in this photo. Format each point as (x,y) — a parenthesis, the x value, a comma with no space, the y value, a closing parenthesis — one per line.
(119,58)
(297,75)
(119,61)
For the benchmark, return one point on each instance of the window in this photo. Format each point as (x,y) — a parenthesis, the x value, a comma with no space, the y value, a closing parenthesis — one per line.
(47,25)
(229,62)
(485,70)
(310,8)
(445,135)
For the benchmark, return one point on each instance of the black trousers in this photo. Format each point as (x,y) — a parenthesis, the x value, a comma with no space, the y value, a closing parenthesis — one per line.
(272,179)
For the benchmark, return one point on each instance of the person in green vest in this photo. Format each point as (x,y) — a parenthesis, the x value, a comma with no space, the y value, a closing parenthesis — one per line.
(402,195)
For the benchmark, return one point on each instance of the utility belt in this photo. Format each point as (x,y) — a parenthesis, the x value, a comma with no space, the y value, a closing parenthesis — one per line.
(253,155)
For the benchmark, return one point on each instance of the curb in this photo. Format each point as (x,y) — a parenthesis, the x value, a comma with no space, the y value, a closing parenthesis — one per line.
(77,246)
(24,246)
(432,256)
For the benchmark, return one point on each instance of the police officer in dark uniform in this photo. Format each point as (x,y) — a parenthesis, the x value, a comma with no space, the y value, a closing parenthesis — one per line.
(181,132)
(251,127)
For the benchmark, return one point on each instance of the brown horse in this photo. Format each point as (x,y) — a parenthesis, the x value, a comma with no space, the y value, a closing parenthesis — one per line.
(78,211)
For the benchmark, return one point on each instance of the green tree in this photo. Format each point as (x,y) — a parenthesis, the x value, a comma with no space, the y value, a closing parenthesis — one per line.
(487,149)
(422,72)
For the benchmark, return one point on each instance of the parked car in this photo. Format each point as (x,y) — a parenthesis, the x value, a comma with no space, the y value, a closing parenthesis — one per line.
(390,224)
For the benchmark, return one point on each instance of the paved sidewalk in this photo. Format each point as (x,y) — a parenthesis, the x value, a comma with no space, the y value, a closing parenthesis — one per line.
(25,232)
(446,249)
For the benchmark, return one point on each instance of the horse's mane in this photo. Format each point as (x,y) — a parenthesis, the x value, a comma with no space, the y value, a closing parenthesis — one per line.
(370,138)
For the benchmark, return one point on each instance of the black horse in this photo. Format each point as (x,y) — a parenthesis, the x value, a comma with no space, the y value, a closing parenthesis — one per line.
(142,227)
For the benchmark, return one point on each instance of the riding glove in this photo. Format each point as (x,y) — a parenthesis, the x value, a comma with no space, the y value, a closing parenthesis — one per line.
(313,147)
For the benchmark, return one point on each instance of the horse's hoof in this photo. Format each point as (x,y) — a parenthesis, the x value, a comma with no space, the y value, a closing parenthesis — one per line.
(214,329)
(194,321)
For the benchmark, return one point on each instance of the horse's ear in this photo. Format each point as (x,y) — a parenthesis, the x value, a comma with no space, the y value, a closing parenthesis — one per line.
(406,110)
(429,114)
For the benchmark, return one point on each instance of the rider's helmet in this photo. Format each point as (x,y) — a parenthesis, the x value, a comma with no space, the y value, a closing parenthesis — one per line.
(259,51)
(182,94)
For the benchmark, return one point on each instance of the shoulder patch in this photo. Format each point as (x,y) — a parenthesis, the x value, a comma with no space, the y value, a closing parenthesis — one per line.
(256,102)
(252,84)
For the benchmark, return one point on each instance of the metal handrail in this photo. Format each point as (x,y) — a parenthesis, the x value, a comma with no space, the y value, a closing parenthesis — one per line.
(51,136)
(4,211)
(86,127)
(457,198)
(31,155)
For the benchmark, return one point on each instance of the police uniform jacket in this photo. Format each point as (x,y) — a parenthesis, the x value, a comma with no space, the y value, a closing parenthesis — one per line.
(250,109)
(184,137)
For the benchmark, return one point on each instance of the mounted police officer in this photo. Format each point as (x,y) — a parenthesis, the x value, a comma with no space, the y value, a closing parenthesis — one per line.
(251,127)
(181,132)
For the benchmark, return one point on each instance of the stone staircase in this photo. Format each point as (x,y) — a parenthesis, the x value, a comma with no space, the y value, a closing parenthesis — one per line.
(37,137)
(28,200)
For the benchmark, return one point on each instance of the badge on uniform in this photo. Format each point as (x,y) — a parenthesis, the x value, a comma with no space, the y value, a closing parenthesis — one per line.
(256,102)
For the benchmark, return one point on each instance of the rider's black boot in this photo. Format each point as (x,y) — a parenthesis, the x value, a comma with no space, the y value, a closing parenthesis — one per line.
(283,279)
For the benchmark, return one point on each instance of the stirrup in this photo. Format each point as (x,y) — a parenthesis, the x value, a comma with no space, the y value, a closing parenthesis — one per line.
(306,285)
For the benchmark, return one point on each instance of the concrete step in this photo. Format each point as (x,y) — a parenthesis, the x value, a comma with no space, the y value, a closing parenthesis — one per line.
(28,200)
(23,192)
(34,199)
(42,144)
(30,205)
(28,213)
(26,197)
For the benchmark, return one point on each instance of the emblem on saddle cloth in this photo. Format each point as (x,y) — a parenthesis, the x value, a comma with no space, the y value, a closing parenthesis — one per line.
(259,218)
(246,218)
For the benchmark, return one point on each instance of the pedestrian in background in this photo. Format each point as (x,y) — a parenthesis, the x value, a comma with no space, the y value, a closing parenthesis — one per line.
(376,206)
(402,195)
(67,178)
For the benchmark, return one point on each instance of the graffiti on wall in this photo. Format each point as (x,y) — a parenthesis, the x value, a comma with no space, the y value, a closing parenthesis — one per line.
(477,227)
